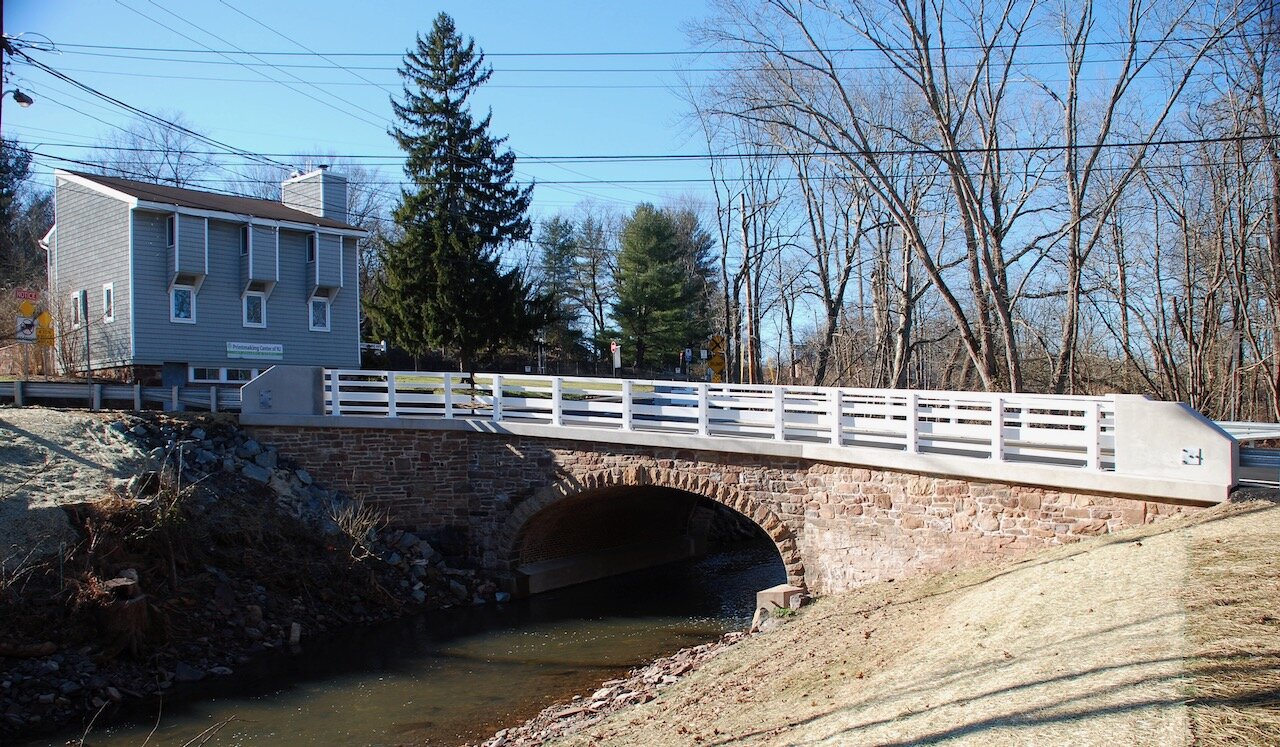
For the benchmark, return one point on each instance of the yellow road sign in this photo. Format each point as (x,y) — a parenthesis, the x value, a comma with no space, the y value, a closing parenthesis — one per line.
(26,308)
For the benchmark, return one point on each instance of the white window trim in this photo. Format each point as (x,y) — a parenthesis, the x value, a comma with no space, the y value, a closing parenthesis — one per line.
(328,314)
(108,309)
(80,308)
(244,309)
(171,218)
(246,242)
(192,290)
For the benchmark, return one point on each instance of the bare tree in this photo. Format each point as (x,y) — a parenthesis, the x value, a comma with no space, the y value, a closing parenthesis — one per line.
(149,150)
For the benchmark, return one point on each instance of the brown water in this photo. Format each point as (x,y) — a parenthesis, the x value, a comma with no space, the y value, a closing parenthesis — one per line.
(461,674)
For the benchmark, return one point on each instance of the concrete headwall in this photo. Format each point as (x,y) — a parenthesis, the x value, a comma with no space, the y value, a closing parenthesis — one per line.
(835,526)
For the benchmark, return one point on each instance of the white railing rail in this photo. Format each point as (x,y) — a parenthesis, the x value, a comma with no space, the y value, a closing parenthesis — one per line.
(101,395)
(1057,431)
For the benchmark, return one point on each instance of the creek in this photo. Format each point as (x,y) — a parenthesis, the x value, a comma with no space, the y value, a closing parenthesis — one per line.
(456,675)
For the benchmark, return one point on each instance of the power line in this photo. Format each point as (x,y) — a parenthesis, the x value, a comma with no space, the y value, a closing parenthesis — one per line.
(660,53)
(147,115)
(696,157)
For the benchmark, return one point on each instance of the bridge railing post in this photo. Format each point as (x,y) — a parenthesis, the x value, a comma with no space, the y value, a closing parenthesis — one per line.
(627,398)
(779,414)
(997,428)
(557,401)
(913,423)
(497,397)
(837,416)
(391,395)
(1093,435)
(448,396)
(704,410)
(335,398)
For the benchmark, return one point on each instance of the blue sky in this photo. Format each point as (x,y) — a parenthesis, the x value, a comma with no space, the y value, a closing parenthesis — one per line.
(548,104)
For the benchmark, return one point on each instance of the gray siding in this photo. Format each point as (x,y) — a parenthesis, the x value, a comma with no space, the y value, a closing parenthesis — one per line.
(91,248)
(263,255)
(191,245)
(218,305)
(329,258)
(335,197)
(304,195)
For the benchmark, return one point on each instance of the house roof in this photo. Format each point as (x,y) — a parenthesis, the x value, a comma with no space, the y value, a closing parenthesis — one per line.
(201,200)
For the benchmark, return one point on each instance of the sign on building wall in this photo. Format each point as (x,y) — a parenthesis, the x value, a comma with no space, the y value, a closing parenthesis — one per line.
(256,351)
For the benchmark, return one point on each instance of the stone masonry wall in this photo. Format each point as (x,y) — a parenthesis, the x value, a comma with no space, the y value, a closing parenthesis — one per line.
(835,526)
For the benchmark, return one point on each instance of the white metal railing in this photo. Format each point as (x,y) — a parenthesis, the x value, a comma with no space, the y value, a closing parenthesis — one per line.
(116,396)
(1060,431)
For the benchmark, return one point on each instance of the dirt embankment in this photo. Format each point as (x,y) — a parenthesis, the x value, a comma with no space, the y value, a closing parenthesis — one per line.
(141,553)
(1162,635)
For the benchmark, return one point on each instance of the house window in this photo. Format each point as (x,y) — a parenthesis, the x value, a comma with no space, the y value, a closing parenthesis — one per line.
(171,230)
(212,375)
(255,309)
(108,302)
(311,248)
(182,304)
(319,315)
(79,308)
(244,241)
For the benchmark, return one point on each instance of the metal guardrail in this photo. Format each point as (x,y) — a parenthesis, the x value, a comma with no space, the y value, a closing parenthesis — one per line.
(113,396)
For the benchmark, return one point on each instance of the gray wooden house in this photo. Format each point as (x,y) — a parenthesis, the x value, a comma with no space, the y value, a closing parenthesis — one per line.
(185,286)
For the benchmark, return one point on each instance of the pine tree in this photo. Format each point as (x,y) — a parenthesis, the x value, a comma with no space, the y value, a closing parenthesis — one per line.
(558,245)
(444,286)
(657,296)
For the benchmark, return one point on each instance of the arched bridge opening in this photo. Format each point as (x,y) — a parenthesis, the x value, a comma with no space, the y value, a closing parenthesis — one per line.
(617,529)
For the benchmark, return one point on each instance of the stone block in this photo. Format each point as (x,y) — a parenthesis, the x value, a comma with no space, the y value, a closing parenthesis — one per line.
(779,596)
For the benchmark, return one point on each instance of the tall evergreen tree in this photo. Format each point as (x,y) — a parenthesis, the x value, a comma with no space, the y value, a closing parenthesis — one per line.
(657,295)
(558,244)
(443,285)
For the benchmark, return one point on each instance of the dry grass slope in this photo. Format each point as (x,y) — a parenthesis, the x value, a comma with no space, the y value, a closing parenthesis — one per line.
(1162,635)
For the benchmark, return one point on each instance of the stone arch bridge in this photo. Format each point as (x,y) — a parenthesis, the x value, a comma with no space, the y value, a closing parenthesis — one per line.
(552,481)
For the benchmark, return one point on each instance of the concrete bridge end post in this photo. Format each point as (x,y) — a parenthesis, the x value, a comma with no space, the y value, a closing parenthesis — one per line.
(284,390)
(1172,440)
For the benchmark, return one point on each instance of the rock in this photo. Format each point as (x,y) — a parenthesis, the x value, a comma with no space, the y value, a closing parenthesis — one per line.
(220,671)
(197,434)
(459,590)
(256,473)
(407,541)
(68,687)
(303,476)
(248,449)
(184,672)
(419,596)
(502,597)
(394,559)
(253,615)
(266,459)
(113,694)
(279,483)
(295,633)
(45,698)
(139,430)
